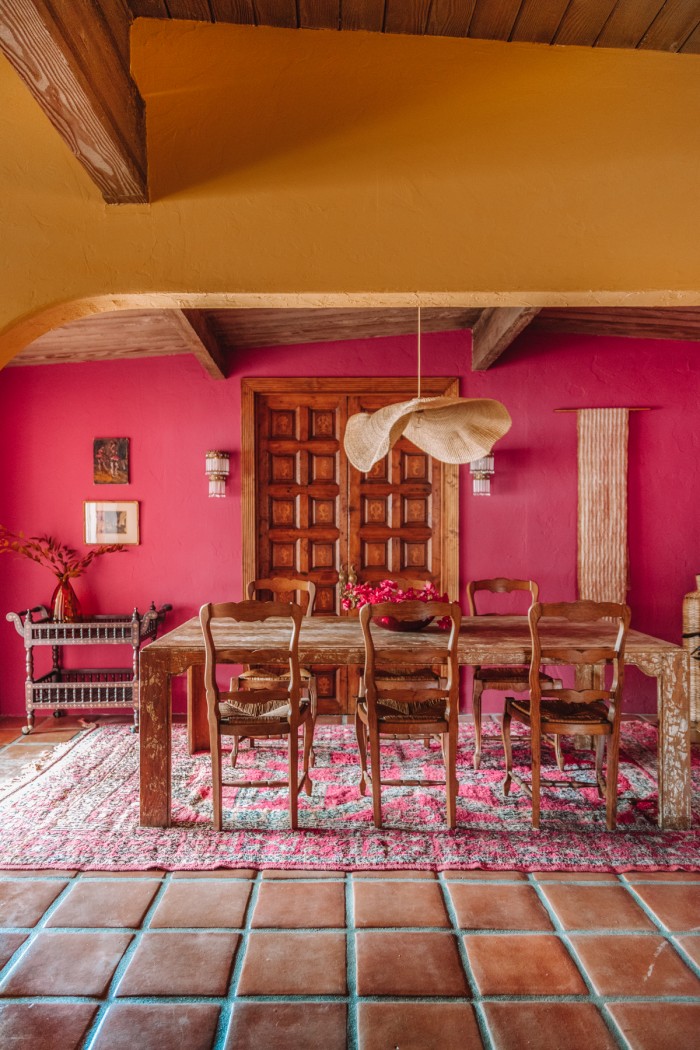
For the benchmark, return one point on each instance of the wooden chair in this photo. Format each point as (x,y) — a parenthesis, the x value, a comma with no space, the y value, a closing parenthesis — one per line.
(280,709)
(560,711)
(502,679)
(408,708)
(281,589)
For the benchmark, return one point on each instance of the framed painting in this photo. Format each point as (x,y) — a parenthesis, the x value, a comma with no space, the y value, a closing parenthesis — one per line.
(110,461)
(111,521)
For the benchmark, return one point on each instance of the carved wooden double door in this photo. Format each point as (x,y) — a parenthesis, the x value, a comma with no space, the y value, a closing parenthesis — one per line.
(308,512)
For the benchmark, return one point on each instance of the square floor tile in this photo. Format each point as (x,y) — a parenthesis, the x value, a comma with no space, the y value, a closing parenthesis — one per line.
(9,943)
(409,963)
(634,965)
(677,906)
(596,907)
(575,876)
(417,1026)
(292,905)
(691,944)
(387,903)
(23,901)
(394,873)
(202,904)
(301,873)
(662,876)
(492,906)
(288,1026)
(516,964)
(67,964)
(294,964)
(146,873)
(658,1026)
(180,964)
(477,875)
(45,1026)
(158,1026)
(547,1026)
(92,902)
(216,873)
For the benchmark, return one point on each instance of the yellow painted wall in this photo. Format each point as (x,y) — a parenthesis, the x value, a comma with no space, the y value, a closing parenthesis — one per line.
(326,168)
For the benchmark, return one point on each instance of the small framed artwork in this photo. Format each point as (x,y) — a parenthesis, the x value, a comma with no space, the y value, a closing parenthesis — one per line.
(111,521)
(110,461)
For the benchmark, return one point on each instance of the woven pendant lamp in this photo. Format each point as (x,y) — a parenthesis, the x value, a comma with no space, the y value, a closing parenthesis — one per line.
(450,429)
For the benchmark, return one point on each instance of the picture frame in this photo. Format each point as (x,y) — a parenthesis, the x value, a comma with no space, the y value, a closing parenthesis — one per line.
(110,461)
(111,521)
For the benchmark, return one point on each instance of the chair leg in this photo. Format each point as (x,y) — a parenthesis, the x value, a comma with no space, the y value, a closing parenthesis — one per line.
(308,751)
(450,738)
(376,778)
(477,690)
(599,752)
(293,778)
(313,700)
(215,748)
(556,740)
(361,732)
(507,749)
(611,782)
(234,752)
(536,753)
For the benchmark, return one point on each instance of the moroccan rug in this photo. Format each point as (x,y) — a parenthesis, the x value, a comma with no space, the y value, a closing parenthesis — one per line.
(79,809)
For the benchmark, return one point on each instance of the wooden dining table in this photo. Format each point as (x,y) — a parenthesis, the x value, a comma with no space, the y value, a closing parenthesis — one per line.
(483,640)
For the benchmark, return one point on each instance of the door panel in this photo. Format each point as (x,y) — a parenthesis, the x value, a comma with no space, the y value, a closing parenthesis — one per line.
(392,509)
(307,511)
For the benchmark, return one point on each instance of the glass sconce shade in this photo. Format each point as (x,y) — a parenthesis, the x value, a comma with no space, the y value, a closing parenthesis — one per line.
(217,470)
(481,471)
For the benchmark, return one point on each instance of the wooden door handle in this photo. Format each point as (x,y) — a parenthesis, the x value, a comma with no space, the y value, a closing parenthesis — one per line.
(342,577)
(352,576)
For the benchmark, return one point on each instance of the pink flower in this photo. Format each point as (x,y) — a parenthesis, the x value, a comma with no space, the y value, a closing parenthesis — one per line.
(354,596)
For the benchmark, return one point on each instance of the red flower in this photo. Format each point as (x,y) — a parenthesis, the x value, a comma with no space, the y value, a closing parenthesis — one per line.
(356,595)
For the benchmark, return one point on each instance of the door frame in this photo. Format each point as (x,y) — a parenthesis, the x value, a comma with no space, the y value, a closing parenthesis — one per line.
(431,386)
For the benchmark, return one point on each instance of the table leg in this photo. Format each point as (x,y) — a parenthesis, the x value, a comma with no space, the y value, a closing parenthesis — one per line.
(197,721)
(154,738)
(674,742)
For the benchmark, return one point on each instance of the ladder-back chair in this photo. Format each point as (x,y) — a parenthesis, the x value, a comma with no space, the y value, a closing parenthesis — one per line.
(596,711)
(281,709)
(501,679)
(408,708)
(284,589)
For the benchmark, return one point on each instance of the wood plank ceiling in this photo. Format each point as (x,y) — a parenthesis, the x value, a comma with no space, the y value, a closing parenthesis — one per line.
(75,57)
(658,25)
(214,336)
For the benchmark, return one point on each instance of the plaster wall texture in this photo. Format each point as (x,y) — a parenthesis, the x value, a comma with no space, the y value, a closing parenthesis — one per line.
(190,544)
(336,168)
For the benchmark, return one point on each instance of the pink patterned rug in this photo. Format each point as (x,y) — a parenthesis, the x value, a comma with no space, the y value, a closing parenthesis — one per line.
(80,810)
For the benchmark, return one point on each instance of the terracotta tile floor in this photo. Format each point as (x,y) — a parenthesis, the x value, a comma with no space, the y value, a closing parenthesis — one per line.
(325,960)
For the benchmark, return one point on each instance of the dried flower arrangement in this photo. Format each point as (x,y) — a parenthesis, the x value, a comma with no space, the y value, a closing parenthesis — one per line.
(63,561)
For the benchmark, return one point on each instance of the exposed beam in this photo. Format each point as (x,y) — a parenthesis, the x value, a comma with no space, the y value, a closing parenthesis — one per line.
(73,62)
(200,341)
(495,331)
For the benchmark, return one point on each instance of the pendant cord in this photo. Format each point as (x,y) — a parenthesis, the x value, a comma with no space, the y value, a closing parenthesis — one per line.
(419,368)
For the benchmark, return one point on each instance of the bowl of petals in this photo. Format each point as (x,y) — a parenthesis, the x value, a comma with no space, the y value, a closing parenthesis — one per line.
(354,596)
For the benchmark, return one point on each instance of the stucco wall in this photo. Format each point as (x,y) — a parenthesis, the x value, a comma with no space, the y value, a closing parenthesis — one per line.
(190,549)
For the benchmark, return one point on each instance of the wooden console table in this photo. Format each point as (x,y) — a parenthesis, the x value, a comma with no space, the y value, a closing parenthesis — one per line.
(336,640)
(94,688)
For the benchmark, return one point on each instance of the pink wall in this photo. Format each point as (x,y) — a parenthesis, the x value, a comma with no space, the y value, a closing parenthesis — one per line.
(190,545)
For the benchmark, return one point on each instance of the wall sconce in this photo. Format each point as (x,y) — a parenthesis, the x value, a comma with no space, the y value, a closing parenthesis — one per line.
(217,470)
(481,471)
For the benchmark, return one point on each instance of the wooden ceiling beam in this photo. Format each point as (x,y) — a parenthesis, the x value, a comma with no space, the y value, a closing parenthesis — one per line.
(200,340)
(495,331)
(68,55)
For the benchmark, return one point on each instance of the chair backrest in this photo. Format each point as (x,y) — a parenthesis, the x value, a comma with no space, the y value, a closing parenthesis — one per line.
(406,691)
(286,588)
(277,654)
(581,634)
(499,585)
